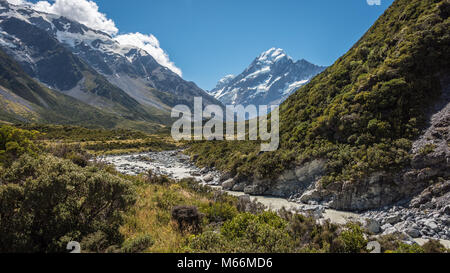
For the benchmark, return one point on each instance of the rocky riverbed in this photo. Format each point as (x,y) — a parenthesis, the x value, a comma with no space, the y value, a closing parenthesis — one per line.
(425,217)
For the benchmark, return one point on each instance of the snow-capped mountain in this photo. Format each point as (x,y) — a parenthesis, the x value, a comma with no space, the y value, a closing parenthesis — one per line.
(68,56)
(269,80)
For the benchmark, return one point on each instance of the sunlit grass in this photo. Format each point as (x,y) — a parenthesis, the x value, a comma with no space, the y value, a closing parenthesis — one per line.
(152,215)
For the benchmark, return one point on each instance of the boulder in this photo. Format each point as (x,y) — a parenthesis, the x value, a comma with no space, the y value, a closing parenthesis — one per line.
(373,226)
(386,226)
(208,178)
(228,185)
(254,190)
(311,195)
(431,224)
(245,198)
(389,231)
(394,219)
(224,177)
(446,210)
(239,187)
(414,233)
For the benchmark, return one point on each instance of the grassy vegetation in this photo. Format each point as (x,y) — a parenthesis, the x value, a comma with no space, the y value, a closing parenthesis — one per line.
(363,112)
(99,141)
(71,198)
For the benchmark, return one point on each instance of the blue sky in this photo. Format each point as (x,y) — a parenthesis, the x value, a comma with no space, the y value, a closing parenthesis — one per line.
(208,39)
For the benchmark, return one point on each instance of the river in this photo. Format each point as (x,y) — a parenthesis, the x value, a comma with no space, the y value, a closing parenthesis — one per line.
(178,166)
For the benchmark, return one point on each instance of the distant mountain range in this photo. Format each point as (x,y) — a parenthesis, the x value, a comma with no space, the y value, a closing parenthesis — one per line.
(91,67)
(269,80)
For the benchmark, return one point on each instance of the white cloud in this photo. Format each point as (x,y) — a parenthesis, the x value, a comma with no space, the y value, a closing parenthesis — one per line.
(83,11)
(87,12)
(150,44)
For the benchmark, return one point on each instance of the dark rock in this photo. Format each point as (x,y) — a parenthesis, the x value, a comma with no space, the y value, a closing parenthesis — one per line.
(414,233)
(254,190)
(239,187)
(394,219)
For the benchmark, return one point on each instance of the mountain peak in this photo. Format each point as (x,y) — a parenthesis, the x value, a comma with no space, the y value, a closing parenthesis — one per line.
(269,80)
(272,55)
(224,81)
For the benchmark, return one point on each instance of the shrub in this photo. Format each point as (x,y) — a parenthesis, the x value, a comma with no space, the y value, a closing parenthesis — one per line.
(217,212)
(138,244)
(266,233)
(152,178)
(73,153)
(352,239)
(65,201)
(434,246)
(188,218)
(167,199)
(14,143)
(245,204)
(405,248)
(209,242)
(95,243)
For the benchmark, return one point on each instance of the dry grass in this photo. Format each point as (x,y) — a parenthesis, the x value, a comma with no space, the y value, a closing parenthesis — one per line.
(152,215)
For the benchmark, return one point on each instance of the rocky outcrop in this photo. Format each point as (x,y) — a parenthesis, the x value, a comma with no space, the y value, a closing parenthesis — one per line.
(291,182)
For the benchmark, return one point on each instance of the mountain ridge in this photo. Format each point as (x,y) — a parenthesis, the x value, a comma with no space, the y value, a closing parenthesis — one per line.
(91,66)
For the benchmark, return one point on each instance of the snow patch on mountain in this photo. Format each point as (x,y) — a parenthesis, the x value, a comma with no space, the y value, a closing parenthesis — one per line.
(102,28)
(269,80)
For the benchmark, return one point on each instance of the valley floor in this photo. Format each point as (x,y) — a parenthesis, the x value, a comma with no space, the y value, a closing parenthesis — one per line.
(176,165)
(162,202)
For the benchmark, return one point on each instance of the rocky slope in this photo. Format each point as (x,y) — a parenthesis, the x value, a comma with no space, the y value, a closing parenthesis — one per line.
(269,80)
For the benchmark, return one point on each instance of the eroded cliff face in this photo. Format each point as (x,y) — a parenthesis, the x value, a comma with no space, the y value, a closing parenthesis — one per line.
(429,168)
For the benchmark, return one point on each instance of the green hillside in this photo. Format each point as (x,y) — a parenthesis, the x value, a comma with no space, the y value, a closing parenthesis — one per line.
(22,99)
(363,112)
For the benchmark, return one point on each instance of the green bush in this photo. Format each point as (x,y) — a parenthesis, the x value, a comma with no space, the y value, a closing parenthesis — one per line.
(209,242)
(72,152)
(168,199)
(138,244)
(265,233)
(14,143)
(408,249)
(217,212)
(353,240)
(46,202)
